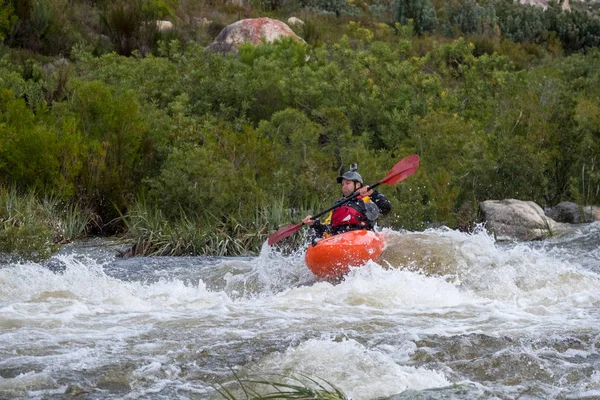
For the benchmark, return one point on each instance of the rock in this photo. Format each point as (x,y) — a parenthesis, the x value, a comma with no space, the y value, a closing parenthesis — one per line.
(295,21)
(252,30)
(594,212)
(164,26)
(573,213)
(518,220)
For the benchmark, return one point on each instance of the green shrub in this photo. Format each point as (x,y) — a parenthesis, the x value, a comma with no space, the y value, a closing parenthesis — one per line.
(36,150)
(421,12)
(131,25)
(32,225)
(114,133)
(470,17)
(7,18)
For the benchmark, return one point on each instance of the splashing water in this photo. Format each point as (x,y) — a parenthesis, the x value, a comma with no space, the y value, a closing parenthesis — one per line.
(443,314)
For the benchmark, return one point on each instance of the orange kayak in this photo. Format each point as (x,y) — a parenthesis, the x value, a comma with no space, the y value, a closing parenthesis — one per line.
(332,257)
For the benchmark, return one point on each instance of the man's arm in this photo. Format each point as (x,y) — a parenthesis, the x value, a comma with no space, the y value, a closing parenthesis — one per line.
(382,202)
(319,228)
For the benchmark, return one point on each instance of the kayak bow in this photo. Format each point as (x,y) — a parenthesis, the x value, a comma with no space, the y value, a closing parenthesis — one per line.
(332,257)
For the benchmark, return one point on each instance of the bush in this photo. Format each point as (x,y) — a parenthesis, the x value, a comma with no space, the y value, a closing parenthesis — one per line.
(132,25)
(421,12)
(32,226)
(114,134)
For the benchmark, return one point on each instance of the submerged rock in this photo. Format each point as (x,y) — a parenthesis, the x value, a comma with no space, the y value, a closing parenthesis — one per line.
(252,30)
(519,220)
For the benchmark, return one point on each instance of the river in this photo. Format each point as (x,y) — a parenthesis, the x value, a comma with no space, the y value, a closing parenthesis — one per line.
(447,315)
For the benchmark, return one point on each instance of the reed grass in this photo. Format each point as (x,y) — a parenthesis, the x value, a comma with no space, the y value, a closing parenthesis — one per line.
(129,26)
(151,233)
(75,221)
(25,227)
(32,227)
(283,387)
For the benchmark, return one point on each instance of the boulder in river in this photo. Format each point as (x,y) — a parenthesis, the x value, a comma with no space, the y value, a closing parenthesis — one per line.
(512,219)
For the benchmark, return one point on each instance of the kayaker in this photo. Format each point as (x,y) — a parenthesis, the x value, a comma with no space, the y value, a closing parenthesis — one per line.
(359,213)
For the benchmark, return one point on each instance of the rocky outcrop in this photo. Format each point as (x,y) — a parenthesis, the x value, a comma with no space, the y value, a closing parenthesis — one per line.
(253,30)
(519,220)
(573,213)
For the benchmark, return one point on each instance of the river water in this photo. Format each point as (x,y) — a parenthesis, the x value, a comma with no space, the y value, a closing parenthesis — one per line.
(445,315)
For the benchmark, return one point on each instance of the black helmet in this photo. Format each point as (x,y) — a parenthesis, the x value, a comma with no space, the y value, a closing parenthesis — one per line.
(351,175)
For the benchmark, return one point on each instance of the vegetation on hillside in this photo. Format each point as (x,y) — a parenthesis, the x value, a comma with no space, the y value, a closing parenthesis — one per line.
(190,152)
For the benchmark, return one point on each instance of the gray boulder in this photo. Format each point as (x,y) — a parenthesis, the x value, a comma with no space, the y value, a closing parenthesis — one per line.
(251,30)
(573,213)
(519,220)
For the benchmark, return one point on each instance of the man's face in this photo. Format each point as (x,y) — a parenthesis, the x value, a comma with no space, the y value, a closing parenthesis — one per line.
(347,187)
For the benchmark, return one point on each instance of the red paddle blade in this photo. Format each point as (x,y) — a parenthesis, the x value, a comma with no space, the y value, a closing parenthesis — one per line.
(282,233)
(402,170)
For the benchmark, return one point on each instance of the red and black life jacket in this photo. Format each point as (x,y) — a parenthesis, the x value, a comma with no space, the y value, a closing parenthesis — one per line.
(346,215)
(351,214)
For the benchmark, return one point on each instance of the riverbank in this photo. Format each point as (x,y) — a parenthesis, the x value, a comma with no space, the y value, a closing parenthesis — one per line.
(34,228)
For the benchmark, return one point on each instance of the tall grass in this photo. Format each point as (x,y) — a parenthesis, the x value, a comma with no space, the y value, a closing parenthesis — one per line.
(31,227)
(281,387)
(129,26)
(25,226)
(151,233)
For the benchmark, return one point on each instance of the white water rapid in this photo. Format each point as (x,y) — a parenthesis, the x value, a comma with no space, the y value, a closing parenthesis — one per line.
(445,315)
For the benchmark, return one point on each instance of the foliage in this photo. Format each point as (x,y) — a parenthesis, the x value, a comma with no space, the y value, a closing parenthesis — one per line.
(36,150)
(421,12)
(576,30)
(7,17)
(469,17)
(337,7)
(129,25)
(188,151)
(50,27)
(151,233)
(25,225)
(31,226)
(114,133)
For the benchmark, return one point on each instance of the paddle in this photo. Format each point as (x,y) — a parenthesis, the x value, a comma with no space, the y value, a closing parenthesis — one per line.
(399,172)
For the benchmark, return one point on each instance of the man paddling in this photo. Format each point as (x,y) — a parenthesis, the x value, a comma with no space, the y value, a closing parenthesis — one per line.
(359,213)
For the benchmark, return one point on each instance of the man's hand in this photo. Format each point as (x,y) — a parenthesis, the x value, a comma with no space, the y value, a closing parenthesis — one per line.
(308,220)
(364,192)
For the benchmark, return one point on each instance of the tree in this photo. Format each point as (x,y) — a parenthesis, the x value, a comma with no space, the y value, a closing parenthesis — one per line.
(420,11)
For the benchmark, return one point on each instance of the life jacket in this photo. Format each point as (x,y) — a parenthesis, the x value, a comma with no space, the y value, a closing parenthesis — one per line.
(346,215)
(351,214)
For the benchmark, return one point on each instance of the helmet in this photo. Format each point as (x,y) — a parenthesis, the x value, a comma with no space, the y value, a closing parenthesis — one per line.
(351,175)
